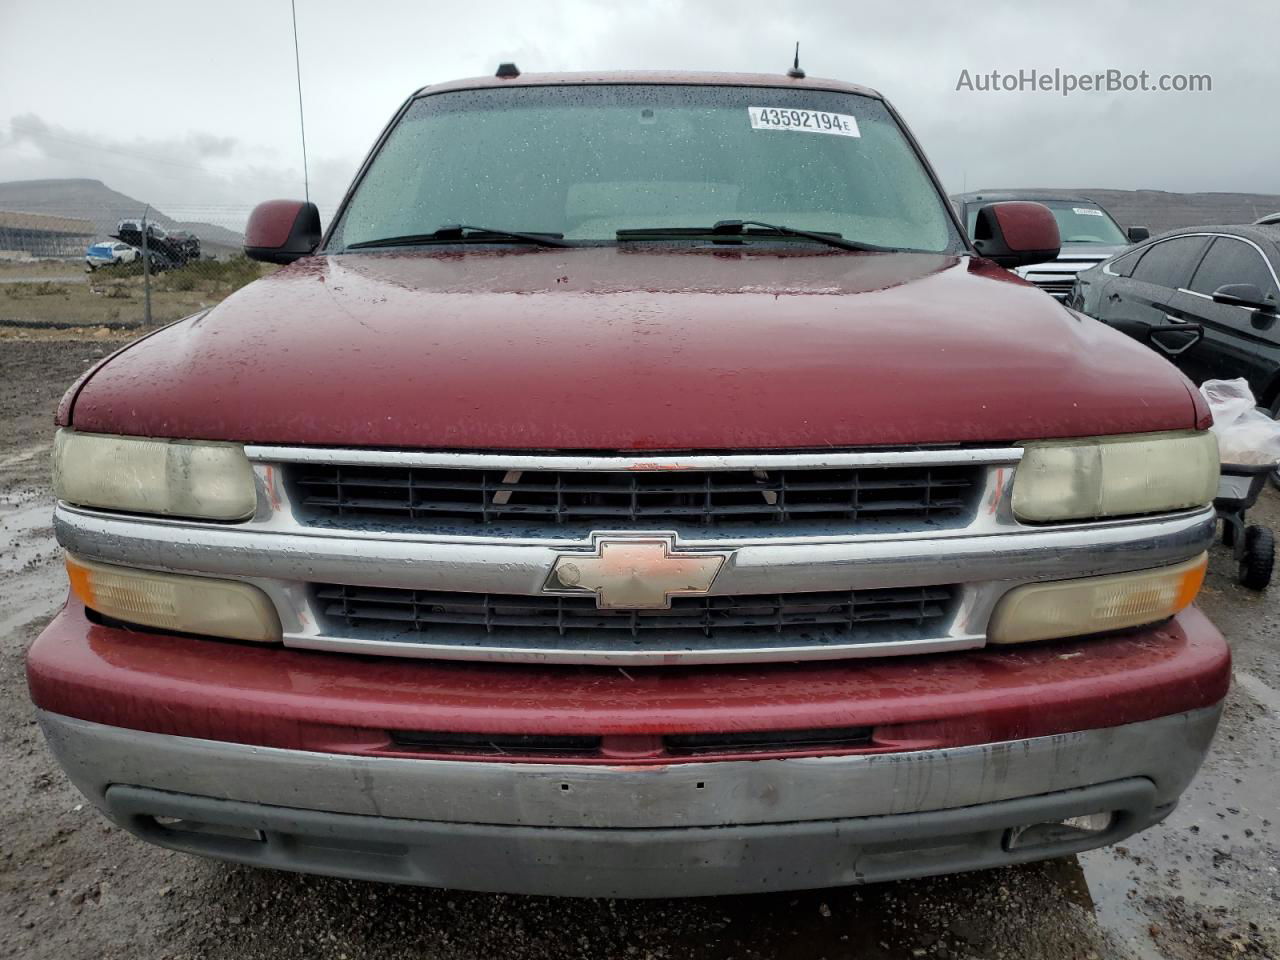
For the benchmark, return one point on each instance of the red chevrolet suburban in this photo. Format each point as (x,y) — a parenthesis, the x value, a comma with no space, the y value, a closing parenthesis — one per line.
(643,488)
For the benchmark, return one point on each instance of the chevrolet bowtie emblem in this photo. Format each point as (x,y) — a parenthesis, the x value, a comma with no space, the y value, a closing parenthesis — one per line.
(634,572)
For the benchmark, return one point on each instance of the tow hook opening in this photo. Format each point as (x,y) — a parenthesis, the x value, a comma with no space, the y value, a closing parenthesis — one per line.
(231,831)
(1053,832)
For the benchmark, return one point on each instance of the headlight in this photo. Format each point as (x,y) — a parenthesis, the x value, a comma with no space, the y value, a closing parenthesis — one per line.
(1115,476)
(211,481)
(1077,608)
(213,608)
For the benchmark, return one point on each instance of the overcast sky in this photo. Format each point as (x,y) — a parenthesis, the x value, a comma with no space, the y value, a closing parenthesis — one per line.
(207,125)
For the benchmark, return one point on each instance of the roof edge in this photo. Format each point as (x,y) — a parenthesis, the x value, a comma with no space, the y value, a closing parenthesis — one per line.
(694,77)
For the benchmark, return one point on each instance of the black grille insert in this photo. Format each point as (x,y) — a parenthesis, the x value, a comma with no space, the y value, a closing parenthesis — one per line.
(685,496)
(478,617)
(499,744)
(836,738)
(540,745)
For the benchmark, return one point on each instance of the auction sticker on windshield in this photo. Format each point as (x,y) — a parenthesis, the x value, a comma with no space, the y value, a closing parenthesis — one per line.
(805,121)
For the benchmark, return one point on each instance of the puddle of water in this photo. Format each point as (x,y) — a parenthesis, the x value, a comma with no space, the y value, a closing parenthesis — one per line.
(25,455)
(1109,880)
(26,532)
(1257,688)
(33,587)
(1215,851)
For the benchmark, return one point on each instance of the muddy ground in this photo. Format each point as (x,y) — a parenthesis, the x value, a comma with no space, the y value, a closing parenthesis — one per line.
(1204,884)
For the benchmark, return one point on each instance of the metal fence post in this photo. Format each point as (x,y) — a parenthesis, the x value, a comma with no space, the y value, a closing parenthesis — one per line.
(146,270)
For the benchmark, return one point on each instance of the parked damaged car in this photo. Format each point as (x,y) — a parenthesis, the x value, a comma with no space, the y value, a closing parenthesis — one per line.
(107,253)
(1089,234)
(1205,297)
(166,249)
(643,488)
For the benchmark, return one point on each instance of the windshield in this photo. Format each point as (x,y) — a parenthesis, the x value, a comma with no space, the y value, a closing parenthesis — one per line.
(585,161)
(1079,221)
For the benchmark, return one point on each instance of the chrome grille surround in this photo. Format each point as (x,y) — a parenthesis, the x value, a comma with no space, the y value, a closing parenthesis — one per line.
(1057,277)
(705,623)
(977,553)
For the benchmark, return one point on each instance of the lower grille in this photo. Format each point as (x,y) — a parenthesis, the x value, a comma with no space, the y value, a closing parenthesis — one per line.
(701,744)
(496,745)
(692,622)
(515,746)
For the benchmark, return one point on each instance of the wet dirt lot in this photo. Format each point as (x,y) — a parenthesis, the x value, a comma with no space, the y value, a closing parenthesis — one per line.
(1204,884)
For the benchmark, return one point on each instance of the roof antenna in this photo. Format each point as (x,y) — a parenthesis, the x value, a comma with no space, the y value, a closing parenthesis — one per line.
(795,72)
(302,123)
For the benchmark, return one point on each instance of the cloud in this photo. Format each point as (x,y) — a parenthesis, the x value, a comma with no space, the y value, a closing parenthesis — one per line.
(198,175)
(57,142)
(226,136)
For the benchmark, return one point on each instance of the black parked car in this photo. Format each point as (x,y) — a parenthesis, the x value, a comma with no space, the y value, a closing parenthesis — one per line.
(1206,297)
(1089,234)
(168,249)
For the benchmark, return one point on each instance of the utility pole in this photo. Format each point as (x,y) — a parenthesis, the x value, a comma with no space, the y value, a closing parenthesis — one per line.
(146,269)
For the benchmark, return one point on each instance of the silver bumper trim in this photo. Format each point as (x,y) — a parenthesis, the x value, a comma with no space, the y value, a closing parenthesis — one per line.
(1167,751)
(285,562)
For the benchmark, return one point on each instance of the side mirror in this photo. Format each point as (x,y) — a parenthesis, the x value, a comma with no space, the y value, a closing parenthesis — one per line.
(281,231)
(1015,233)
(1138,234)
(1243,295)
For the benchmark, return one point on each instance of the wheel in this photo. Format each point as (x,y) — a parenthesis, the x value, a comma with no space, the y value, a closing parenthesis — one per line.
(1259,558)
(1228,533)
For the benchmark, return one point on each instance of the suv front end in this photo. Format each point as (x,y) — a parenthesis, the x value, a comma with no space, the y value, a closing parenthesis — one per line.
(789,727)
(612,549)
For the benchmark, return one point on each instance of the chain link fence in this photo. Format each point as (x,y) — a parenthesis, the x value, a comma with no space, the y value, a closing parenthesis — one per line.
(119,270)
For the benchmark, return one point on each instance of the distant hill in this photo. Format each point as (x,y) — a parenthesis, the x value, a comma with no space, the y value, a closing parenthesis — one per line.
(1160,210)
(94,200)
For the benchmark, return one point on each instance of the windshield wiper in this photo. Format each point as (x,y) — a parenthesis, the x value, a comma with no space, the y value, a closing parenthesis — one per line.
(464,233)
(737,229)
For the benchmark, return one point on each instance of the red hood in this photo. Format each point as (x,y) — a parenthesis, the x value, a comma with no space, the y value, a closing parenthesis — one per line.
(620,349)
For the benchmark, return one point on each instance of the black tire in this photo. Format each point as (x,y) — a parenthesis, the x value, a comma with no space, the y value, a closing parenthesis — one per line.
(1228,534)
(1259,558)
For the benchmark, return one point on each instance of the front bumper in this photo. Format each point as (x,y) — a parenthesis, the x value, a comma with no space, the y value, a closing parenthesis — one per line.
(682,830)
(289,755)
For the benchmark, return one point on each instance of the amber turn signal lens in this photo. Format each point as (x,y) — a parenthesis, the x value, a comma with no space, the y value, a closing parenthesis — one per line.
(1077,608)
(167,601)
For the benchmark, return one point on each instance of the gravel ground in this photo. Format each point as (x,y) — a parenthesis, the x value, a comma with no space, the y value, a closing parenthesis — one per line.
(1205,884)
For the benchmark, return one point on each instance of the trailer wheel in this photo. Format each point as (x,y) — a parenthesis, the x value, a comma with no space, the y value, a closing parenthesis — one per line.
(1259,558)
